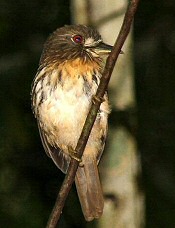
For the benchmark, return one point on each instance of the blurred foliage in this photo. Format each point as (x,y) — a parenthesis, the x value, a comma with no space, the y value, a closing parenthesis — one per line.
(29,181)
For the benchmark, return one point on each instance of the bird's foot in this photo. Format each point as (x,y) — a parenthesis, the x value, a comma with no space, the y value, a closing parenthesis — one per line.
(73,154)
(97,99)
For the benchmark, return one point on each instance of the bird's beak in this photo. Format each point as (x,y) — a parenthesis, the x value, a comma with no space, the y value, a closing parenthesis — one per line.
(103,48)
(100,49)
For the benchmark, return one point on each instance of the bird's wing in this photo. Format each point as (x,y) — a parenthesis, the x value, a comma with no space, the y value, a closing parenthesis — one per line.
(60,159)
(103,126)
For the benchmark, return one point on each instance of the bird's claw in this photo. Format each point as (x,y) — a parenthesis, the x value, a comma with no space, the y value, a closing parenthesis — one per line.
(97,99)
(73,154)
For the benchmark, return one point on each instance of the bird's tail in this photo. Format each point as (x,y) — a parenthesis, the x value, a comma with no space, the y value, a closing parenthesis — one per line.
(89,190)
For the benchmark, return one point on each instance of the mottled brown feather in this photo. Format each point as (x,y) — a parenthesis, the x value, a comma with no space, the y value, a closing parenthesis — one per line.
(60,159)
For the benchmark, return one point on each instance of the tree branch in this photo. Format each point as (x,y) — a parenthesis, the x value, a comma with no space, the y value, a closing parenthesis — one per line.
(110,62)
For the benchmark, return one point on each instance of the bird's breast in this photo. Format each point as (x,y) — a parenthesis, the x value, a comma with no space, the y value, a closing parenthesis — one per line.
(62,104)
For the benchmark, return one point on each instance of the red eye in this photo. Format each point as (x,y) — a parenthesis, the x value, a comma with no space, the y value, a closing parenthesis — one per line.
(78,39)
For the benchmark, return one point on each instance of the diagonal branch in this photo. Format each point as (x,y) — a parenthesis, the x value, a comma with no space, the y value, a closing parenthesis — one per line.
(111,60)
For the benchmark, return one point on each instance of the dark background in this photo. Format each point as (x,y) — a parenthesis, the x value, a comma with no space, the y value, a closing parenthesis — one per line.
(29,181)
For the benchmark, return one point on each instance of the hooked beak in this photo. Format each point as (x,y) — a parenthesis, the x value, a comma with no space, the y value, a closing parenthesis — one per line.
(103,48)
(100,49)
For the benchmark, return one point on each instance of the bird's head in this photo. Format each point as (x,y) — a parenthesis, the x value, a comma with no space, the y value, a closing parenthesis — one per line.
(72,42)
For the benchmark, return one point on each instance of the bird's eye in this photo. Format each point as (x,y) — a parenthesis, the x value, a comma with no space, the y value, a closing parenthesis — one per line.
(77,39)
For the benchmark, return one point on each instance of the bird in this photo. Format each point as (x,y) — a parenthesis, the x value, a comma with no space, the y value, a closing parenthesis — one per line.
(63,89)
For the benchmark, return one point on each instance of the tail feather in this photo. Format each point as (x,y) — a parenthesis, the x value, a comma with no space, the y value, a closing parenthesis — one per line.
(89,190)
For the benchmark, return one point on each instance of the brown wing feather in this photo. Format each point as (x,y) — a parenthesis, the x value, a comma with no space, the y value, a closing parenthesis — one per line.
(61,159)
(102,125)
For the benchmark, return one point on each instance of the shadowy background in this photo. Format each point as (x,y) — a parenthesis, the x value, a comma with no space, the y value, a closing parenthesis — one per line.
(29,181)
(155,82)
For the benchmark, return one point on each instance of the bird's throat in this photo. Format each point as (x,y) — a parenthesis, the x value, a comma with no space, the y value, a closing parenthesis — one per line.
(78,67)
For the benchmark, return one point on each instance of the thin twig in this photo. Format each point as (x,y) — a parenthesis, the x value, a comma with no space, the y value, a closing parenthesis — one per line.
(111,60)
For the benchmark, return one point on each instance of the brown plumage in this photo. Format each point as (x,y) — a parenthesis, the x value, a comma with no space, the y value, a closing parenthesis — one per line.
(68,76)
